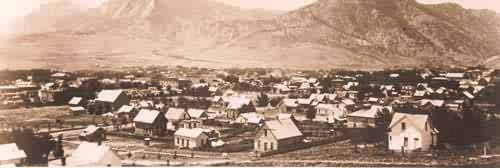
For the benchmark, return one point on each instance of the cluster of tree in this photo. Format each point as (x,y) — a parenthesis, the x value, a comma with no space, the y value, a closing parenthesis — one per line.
(199,103)
(197,92)
(36,147)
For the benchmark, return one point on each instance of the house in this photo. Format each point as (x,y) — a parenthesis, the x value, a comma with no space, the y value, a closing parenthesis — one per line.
(175,116)
(289,106)
(238,105)
(410,132)
(76,101)
(11,154)
(329,113)
(93,155)
(93,133)
(110,100)
(363,118)
(150,122)
(190,138)
(127,111)
(277,135)
(197,113)
(252,119)
(77,110)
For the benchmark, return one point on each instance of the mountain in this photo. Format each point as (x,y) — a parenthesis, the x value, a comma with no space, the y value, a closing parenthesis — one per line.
(359,34)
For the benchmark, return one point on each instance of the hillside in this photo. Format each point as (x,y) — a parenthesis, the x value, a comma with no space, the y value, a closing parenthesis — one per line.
(360,34)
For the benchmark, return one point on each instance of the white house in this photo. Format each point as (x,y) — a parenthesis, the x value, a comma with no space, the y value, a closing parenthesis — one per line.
(10,154)
(277,135)
(92,155)
(190,138)
(411,132)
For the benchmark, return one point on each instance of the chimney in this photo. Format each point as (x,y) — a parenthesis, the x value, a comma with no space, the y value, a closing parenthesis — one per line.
(63,161)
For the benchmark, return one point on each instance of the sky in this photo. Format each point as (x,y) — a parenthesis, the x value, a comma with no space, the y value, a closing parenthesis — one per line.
(11,9)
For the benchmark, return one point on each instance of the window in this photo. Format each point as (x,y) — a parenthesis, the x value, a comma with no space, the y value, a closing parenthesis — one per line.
(425,126)
(182,140)
(390,138)
(265,132)
(265,146)
(405,144)
(187,143)
(403,126)
(272,146)
(258,144)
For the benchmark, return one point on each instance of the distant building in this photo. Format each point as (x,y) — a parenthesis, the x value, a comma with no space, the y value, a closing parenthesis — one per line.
(93,155)
(150,122)
(364,118)
(110,100)
(190,138)
(411,132)
(276,135)
(10,154)
(175,116)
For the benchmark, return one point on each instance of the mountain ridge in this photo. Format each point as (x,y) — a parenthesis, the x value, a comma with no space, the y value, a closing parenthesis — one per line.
(328,33)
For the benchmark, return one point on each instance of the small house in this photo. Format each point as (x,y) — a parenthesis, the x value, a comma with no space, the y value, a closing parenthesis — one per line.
(93,134)
(93,155)
(175,116)
(11,154)
(190,138)
(150,122)
(277,135)
(110,100)
(410,132)
(364,118)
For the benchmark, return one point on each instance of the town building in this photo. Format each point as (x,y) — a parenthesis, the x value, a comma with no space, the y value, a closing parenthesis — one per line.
(410,132)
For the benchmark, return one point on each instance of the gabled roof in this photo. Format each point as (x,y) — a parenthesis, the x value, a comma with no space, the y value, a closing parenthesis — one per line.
(175,114)
(75,109)
(348,102)
(417,120)
(304,101)
(11,152)
(290,102)
(253,118)
(325,106)
(125,109)
(190,133)
(468,95)
(75,101)
(146,116)
(436,103)
(92,154)
(237,102)
(197,113)
(109,95)
(455,75)
(367,113)
(283,129)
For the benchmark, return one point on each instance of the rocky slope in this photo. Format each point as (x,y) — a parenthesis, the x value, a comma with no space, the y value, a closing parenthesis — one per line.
(330,33)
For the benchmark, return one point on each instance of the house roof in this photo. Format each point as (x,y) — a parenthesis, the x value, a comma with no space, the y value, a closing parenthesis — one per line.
(237,102)
(325,106)
(11,152)
(283,116)
(436,103)
(79,108)
(146,116)
(253,118)
(92,154)
(367,113)
(283,129)
(468,95)
(75,101)
(305,101)
(175,113)
(125,109)
(420,93)
(455,75)
(290,102)
(197,113)
(89,130)
(348,102)
(418,120)
(190,133)
(109,95)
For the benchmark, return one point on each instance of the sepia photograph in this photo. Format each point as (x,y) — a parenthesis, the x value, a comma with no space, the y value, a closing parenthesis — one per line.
(250,83)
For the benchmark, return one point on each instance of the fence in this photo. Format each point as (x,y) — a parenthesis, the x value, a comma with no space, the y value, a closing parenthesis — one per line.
(303,146)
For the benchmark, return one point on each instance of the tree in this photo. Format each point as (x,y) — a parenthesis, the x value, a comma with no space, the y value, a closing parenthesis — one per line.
(383,118)
(275,101)
(262,100)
